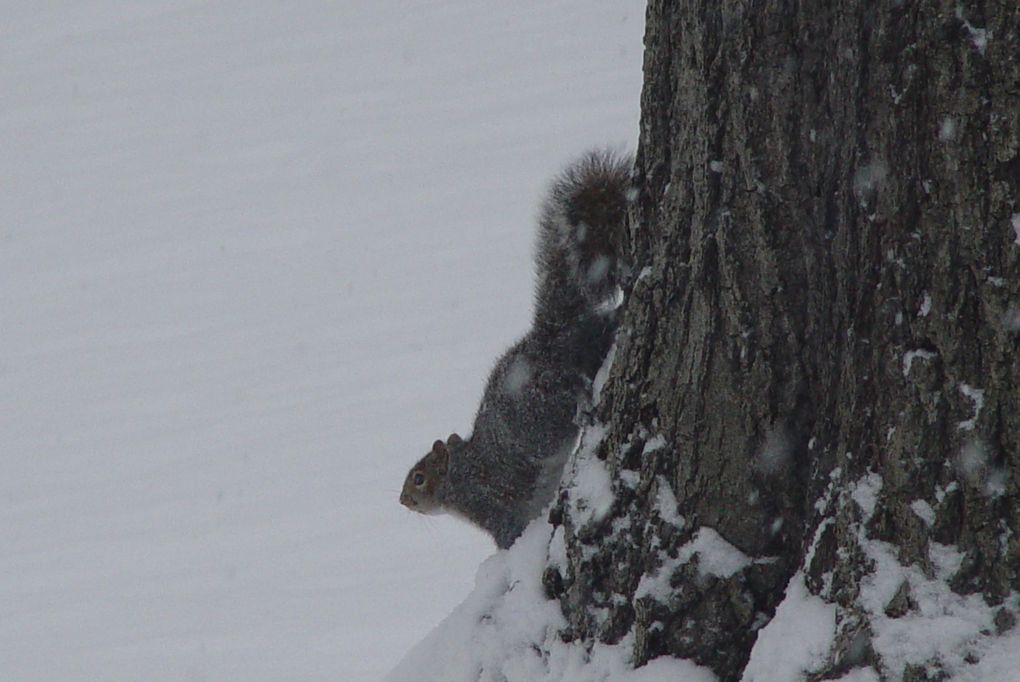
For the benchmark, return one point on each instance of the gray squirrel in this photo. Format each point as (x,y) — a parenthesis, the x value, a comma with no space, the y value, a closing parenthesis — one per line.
(505,474)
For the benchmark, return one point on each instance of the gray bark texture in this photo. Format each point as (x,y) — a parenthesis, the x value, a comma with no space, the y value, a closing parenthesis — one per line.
(827,233)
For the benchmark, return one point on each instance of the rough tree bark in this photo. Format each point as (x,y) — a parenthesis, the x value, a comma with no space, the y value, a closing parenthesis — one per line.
(819,359)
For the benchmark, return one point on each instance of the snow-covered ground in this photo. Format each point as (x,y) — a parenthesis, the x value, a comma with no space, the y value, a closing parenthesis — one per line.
(254,258)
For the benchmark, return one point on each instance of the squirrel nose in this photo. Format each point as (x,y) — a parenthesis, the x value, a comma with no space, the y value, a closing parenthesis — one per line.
(407,500)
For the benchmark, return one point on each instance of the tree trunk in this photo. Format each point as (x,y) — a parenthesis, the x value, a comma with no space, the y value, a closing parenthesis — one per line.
(815,384)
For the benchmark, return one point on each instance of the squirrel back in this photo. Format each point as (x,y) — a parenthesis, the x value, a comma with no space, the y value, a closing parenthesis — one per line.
(508,470)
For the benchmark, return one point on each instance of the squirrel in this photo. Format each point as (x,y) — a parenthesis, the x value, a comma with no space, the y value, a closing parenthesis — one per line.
(505,474)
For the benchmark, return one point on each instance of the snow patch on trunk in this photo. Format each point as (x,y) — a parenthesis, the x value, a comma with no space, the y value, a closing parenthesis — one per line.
(865,493)
(590,487)
(665,502)
(911,355)
(602,376)
(716,557)
(977,396)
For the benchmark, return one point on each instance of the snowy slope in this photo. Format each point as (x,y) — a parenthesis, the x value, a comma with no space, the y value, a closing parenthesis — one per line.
(254,257)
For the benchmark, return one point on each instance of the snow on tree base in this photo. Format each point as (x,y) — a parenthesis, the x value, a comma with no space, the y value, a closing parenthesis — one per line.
(801,618)
(918,627)
(507,629)
(944,636)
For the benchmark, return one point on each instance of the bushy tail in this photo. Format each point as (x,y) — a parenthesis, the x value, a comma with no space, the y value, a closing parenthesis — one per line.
(580,238)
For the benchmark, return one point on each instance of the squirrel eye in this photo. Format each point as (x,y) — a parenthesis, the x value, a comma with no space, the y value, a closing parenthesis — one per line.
(419,478)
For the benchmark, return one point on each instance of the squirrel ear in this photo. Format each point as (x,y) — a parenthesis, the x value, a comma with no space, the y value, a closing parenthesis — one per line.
(454,439)
(441,455)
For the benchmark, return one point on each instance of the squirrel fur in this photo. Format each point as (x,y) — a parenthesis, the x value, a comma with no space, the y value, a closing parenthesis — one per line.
(504,475)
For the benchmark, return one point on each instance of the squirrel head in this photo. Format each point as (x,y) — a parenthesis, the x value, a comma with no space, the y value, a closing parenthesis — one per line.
(421,491)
